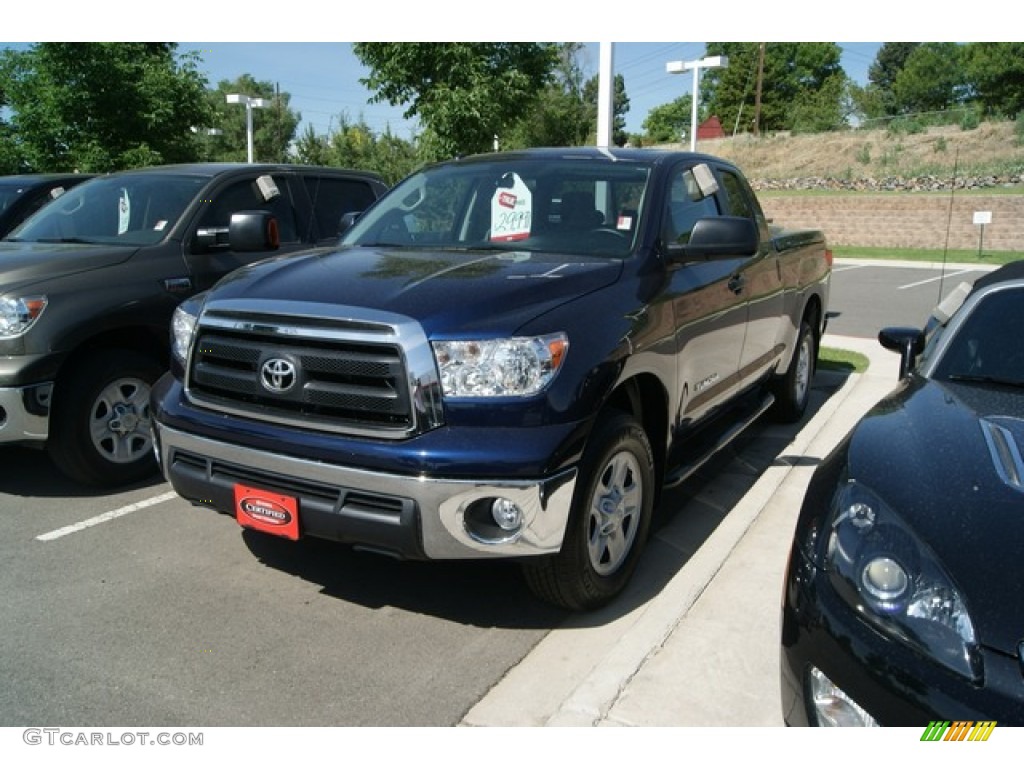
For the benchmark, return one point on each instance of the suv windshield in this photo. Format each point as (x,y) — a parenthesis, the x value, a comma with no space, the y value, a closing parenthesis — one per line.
(567,206)
(130,210)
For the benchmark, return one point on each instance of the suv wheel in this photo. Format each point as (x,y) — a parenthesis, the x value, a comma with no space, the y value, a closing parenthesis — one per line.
(100,422)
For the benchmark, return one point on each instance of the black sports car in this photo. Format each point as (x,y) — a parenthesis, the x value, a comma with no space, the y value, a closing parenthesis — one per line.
(904,595)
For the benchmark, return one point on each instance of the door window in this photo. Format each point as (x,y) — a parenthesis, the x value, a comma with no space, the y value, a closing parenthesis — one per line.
(267,193)
(334,197)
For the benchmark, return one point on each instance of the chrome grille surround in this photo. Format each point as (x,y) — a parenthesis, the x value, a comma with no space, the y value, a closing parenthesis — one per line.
(362,372)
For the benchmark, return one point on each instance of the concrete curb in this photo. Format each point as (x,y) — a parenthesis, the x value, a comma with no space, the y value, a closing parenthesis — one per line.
(591,671)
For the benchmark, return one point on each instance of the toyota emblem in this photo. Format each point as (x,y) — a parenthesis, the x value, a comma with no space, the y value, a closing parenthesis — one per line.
(277,375)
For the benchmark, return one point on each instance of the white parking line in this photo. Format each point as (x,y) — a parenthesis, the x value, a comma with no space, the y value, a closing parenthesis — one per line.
(106,516)
(935,279)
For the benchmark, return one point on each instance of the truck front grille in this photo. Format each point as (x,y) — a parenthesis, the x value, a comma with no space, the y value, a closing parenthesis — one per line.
(310,373)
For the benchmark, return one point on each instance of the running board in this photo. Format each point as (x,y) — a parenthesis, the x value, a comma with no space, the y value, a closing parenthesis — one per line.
(679,474)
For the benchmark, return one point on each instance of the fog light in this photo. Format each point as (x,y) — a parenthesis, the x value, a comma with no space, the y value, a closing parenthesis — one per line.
(507,515)
(832,707)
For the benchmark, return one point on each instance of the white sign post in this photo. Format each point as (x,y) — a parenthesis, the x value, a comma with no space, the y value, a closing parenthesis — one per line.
(981,218)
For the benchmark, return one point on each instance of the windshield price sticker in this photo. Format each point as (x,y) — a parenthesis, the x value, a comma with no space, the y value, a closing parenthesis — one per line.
(511,212)
(124,212)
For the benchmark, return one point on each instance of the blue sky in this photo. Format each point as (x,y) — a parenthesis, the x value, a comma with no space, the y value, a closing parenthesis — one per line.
(323,78)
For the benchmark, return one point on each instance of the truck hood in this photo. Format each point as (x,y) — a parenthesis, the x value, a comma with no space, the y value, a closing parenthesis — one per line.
(22,264)
(445,290)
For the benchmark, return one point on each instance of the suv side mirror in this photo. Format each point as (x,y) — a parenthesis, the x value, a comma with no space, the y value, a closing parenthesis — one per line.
(253,231)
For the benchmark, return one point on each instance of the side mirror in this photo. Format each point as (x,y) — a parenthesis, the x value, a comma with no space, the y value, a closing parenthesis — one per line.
(253,231)
(908,343)
(718,237)
(347,220)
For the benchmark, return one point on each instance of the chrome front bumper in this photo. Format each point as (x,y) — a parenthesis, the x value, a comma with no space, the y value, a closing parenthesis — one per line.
(441,504)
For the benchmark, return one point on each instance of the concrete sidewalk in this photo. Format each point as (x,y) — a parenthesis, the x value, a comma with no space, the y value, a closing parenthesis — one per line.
(695,639)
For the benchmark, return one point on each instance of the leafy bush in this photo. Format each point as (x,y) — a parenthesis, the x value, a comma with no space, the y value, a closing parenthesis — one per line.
(970,120)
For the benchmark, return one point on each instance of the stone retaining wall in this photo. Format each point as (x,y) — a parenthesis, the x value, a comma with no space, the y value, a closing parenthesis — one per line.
(904,220)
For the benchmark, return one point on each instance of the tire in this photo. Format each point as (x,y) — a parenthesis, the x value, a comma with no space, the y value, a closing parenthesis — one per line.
(609,522)
(792,390)
(100,420)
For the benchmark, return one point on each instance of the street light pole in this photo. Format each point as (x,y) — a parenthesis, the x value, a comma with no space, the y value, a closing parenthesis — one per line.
(249,102)
(678,67)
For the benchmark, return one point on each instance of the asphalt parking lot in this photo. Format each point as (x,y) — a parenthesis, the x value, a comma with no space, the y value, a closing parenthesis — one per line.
(133,607)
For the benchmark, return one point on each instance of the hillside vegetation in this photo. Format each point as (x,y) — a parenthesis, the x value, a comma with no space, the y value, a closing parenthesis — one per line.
(991,154)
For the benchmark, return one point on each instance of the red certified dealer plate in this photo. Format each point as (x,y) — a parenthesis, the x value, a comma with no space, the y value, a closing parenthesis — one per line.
(267,511)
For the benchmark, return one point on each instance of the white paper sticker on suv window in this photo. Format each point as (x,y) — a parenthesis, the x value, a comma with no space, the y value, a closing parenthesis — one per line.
(511,210)
(124,212)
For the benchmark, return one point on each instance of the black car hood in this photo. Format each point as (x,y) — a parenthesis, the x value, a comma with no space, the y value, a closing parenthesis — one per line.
(23,264)
(947,458)
(446,291)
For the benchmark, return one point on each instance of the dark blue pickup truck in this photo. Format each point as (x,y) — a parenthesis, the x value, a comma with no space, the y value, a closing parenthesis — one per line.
(508,356)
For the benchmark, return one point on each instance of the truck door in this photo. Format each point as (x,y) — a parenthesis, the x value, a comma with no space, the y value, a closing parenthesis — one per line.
(709,314)
(209,255)
(760,278)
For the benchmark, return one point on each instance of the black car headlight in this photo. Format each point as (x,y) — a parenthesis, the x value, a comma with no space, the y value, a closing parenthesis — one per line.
(892,579)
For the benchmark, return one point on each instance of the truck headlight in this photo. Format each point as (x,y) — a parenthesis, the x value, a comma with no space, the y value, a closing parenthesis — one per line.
(18,315)
(183,326)
(514,367)
(893,579)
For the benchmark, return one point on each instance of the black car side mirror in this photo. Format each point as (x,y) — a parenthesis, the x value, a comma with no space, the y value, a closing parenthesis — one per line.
(908,343)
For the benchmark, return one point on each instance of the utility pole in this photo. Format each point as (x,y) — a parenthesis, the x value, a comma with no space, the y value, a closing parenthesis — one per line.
(757,97)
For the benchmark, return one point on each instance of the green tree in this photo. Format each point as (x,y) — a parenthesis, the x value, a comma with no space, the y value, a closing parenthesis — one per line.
(560,117)
(312,148)
(464,94)
(101,106)
(889,62)
(355,145)
(933,78)
(801,84)
(995,74)
(274,125)
(669,122)
(620,106)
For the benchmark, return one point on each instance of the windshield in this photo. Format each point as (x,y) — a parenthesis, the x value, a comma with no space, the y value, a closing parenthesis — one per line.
(130,210)
(9,194)
(571,206)
(987,346)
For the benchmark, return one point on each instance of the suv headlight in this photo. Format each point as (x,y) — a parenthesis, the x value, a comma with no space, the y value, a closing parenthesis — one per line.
(183,326)
(892,578)
(18,315)
(514,367)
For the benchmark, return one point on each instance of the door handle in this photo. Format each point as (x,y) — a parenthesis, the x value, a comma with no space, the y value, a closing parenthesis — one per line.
(737,283)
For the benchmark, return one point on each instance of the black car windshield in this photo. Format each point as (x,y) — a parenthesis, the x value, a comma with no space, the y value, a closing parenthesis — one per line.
(131,210)
(987,347)
(571,206)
